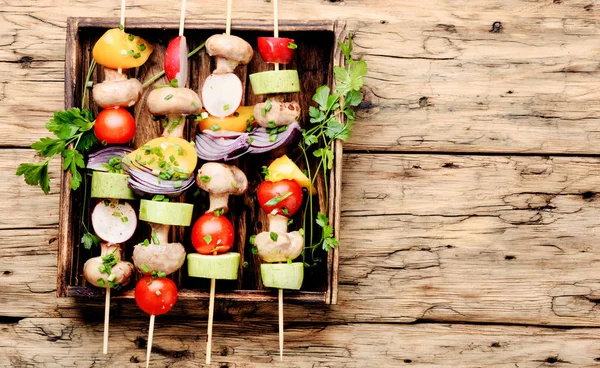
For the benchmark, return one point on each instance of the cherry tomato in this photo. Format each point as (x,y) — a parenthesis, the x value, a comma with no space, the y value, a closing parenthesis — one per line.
(212,233)
(114,125)
(155,297)
(285,196)
(276,49)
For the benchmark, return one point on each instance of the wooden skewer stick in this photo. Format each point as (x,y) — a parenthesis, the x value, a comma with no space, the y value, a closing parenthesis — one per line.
(276,24)
(150,333)
(122,14)
(280,322)
(211,313)
(106,319)
(122,24)
(182,18)
(228,25)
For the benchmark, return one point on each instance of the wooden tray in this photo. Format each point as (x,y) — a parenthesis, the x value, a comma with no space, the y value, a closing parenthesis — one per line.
(317,53)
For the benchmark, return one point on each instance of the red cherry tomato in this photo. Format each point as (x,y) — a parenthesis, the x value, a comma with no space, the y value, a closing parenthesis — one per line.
(155,297)
(114,125)
(276,49)
(285,196)
(212,233)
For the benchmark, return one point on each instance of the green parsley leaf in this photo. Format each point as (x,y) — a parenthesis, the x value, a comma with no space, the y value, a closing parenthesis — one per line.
(88,240)
(35,174)
(321,97)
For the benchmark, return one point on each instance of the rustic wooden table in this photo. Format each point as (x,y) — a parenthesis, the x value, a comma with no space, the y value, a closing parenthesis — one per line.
(470,200)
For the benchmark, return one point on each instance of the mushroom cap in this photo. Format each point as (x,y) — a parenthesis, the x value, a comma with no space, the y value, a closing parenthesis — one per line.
(229,47)
(170,100)
(224,179)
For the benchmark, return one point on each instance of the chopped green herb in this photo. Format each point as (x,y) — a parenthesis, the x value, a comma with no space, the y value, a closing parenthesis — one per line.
(121,27)
(292,46)
(180,151)
(155,238)
(290,222)
(250,139)
(130,52)
(271,124)
(285,211)
(207,238)
(145,268)
(168,97)
(205,178)
(272,137)
(289,261)
(273,236)
(137,55)
(131,37)
(277,199)
(101,282)
(245,264)
(218,212)
(142,47)
(138,157)
(226,107)
(177,184)
(252,239)
(117,214)
(158,293)
(155,172)
(161,274)
(194,104)
(106,202)
(174,83)
(215,127)
(254,250)
(233,184)
(146,242)
(282,128)
(267,108)
(112,277)
(124,219)
(151,161)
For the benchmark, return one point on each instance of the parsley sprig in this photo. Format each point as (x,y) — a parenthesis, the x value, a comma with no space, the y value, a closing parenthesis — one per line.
(333,118)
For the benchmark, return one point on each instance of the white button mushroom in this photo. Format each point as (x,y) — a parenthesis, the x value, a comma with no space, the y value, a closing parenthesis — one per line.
(229,52)
(221,181)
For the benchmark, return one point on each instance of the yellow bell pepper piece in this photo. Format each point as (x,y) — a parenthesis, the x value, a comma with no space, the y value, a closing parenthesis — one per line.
(166,153)
(118,49)
(231,123)
(284,168)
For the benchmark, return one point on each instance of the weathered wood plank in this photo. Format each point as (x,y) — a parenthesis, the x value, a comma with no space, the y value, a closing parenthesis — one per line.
(528,85)
(431,237)
(180,343)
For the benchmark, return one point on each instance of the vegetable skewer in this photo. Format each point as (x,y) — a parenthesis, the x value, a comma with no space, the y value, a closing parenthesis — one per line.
(213,234)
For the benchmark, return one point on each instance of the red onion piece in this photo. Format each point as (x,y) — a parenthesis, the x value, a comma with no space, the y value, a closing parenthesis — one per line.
(97,160)
(143,182)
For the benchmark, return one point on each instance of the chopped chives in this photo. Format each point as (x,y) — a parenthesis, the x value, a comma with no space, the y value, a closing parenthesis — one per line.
(124,219)
(145,269)
(161,274)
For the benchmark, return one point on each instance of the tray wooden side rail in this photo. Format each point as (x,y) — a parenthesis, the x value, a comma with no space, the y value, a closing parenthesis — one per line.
(316,56)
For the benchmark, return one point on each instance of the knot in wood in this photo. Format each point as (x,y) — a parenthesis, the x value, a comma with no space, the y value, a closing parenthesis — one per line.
(496,27)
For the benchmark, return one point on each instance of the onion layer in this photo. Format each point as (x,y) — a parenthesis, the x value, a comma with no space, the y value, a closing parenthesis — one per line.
(98,160)
(211,147)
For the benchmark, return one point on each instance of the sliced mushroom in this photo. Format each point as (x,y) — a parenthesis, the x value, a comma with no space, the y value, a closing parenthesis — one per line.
(229,52)
(220,181)
(121,270)
(117,90)
(279,113)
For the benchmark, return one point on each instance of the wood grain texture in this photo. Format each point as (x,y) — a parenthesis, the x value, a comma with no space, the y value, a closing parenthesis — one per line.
(527,87)
(75,343)
(492,240)
(436,238)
